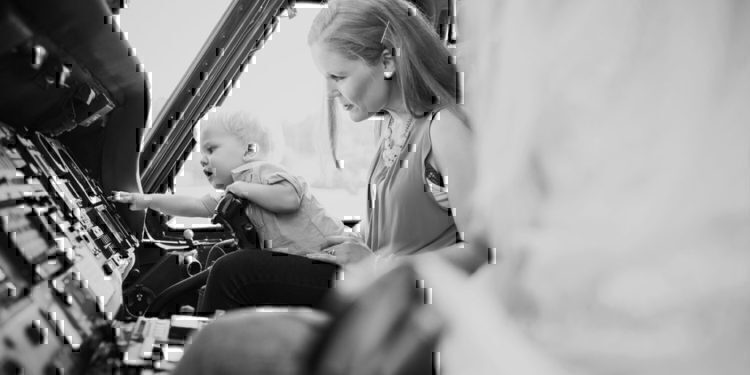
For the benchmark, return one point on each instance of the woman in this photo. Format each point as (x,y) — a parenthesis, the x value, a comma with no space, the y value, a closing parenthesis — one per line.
(353,45)
(377,56)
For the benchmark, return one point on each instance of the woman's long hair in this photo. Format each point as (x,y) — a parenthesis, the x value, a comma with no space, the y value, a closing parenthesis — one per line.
(362,29)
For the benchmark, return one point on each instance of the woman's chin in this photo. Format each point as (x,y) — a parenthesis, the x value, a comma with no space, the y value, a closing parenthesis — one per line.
(358,116)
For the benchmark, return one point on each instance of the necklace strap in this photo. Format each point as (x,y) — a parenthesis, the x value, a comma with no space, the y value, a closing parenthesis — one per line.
(393,144)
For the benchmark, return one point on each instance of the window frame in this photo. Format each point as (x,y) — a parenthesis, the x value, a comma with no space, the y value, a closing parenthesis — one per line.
(242,30)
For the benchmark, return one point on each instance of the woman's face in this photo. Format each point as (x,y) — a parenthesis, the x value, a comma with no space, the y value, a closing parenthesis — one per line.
(359,87)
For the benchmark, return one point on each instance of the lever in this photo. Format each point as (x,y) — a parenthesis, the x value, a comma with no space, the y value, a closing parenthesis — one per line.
(190,264)
(188,236)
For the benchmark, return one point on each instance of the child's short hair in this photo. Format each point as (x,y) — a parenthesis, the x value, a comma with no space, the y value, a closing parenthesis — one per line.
(246,127)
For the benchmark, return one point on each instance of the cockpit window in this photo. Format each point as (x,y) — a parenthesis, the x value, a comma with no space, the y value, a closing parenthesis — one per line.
(169,35)
(282,89)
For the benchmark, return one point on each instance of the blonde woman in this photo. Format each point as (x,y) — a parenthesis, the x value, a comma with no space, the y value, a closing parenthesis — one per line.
(383,57)
(379,57)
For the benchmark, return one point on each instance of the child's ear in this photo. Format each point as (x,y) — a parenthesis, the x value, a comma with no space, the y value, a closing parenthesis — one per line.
(252,151)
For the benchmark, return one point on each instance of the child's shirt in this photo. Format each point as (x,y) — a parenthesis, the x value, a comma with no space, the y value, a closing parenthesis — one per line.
(302,231)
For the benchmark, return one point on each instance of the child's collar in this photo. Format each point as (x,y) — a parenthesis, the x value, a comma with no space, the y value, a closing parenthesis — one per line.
(245,167)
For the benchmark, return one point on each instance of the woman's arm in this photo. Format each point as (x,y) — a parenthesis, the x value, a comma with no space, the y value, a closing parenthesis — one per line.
(452,151)
(467,256)
(280,197)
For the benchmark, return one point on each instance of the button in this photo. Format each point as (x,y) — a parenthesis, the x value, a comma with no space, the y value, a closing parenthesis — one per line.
(97,231)
(35,333)
(107,269)
(8,290)
(66,298)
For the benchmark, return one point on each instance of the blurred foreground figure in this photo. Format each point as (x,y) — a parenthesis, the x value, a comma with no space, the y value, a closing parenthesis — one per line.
(615,143)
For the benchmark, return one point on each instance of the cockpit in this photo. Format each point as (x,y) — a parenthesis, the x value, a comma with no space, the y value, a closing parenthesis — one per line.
(356,187)
(88,285)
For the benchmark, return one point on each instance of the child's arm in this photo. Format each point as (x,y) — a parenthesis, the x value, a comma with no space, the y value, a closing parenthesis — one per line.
(175,205)
(280,197)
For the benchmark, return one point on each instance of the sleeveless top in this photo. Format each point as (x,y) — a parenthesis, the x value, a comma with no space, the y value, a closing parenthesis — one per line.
(403,216)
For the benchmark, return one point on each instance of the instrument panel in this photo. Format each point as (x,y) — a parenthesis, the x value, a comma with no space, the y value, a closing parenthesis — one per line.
(64,251)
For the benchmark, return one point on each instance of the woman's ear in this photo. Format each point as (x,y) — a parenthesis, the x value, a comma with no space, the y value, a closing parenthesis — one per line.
(251,153)
(389,64)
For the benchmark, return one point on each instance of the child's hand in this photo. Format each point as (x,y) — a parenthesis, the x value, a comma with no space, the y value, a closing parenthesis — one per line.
(238,188)
(137,201)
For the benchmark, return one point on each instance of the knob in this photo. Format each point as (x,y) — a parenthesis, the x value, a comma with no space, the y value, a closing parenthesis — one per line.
(188,235)
(187,310)
(38,56)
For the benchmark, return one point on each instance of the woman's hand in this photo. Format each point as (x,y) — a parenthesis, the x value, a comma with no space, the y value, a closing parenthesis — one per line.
(342,250)
(360,267)
(355,278)
(137,201)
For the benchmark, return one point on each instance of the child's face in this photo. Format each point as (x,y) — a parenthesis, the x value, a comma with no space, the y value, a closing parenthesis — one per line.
(221,152)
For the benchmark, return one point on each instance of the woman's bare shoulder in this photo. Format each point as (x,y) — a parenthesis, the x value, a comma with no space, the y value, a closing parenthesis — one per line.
(449,131)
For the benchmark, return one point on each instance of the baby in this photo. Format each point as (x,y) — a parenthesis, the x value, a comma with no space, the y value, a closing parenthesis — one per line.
(234,150)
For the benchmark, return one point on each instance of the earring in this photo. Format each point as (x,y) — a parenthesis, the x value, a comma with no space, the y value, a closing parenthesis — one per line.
(388,75)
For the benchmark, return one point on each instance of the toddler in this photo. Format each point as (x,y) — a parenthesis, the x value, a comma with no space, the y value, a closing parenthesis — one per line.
(234,150)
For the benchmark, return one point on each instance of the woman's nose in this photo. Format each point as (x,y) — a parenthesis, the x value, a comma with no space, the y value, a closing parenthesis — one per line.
(204,160)
(332,90)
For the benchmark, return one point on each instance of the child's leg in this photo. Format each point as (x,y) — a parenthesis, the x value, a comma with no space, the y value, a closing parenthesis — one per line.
(263,278)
